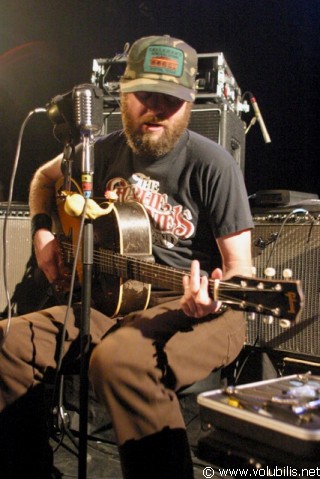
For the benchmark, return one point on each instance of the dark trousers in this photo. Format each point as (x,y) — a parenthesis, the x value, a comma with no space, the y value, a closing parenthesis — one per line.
(135,370)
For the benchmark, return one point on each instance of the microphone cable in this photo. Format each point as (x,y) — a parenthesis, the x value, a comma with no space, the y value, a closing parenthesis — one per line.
(5,224)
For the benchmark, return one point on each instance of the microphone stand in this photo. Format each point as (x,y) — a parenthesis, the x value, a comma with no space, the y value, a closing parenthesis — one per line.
(87,265)
(84,105)
(80,104)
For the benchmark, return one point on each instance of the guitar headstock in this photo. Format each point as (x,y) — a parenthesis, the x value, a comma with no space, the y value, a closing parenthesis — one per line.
(281,299)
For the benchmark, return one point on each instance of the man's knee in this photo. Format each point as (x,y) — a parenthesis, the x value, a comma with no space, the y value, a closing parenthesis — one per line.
(119,354)
(14,350)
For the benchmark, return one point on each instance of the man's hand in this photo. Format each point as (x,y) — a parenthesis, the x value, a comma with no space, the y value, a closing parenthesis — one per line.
(196,301)
(48,256)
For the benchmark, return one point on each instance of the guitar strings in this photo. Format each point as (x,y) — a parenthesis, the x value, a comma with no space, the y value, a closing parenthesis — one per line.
(128,266)
(110,262)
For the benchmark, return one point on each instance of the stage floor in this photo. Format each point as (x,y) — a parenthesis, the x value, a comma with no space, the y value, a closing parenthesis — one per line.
(102,454)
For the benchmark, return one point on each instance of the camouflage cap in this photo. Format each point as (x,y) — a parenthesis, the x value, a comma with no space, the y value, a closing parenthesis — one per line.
(161,64)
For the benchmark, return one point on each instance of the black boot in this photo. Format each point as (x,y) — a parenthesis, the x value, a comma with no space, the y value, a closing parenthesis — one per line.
(164,455)
(24,439)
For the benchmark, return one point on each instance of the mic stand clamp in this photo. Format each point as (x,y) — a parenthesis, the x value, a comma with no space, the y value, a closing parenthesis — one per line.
(68,156)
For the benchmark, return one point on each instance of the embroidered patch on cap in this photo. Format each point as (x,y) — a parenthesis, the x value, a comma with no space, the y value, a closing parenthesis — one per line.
(164,60)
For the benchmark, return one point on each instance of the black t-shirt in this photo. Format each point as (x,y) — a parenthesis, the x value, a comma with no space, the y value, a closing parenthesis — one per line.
(194,194)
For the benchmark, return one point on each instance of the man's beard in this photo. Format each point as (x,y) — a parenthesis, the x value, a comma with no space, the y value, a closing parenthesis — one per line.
(147,144)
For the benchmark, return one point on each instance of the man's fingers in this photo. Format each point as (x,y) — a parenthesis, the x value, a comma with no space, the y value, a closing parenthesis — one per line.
(203,295)
(195,277)
(216,273)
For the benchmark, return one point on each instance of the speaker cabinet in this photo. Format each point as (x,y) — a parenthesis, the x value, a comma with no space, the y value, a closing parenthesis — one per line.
(224,127)
(289,241)
(26,284)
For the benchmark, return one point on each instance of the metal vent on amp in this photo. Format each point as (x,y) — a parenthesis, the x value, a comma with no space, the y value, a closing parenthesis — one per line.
(294,245)
(19,248)
(27,287)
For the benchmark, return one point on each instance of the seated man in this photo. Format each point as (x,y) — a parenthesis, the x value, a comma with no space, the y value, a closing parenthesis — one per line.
(194,194)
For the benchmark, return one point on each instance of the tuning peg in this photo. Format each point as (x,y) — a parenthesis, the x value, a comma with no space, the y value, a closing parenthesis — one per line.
(284,323)
(251,316)
(267,319)
(287,273)
(270,272)
(254,271)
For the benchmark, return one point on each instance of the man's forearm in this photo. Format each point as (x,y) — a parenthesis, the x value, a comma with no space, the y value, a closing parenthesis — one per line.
(42,188)
(41,196)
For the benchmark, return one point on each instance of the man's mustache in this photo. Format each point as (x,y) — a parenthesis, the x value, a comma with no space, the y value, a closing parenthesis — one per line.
(158,120)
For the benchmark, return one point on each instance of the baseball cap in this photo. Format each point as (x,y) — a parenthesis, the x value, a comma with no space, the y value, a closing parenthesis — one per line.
(161,64)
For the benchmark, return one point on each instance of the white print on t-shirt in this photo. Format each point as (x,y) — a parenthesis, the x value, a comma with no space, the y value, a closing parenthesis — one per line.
(169,223)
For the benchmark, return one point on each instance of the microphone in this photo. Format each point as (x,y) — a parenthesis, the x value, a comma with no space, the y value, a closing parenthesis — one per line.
(88,108)
(258,115)
(88,116)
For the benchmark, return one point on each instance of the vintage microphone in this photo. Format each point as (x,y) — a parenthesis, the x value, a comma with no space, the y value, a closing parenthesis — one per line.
(88,115)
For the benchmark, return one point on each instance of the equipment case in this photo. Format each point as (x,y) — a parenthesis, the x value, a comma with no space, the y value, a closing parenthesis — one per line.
(260,423)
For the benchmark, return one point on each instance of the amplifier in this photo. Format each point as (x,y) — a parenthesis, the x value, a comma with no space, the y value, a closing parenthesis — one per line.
(215,81)
(222,126)
(290,241)
(282,197)
(26,284)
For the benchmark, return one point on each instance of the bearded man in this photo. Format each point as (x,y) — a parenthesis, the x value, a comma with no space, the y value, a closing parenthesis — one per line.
(193,194)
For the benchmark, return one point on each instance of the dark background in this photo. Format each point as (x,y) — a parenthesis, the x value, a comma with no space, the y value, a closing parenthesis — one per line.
(271,46)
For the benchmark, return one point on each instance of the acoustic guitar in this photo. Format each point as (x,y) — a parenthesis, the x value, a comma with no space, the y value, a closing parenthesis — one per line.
(125,271)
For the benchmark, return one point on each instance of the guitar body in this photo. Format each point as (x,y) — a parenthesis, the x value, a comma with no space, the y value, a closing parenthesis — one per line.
(126,230)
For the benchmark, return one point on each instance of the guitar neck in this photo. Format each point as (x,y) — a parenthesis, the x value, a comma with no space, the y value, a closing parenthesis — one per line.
(139,269)
(279,298)
(142,270)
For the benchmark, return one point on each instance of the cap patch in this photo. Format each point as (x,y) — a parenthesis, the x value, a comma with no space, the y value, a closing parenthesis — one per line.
(164,60)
